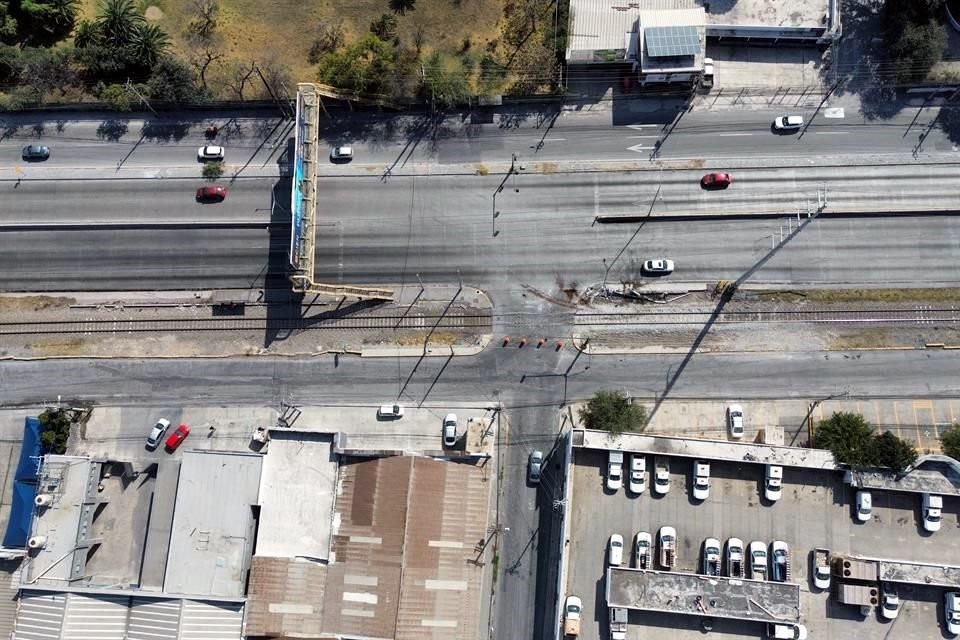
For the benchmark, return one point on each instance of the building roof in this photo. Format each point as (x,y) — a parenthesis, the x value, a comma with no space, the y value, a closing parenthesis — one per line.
(211,539)
(693,594)
(286,597)
(51,615)
(61,528)
(708,449)
(601,25)
(661,35)
(930,474)
(296,496)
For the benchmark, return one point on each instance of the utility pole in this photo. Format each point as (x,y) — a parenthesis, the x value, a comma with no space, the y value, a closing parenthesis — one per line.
(276,100)
(132,89)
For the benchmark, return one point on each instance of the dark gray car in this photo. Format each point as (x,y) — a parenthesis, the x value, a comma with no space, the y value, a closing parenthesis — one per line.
(36,152)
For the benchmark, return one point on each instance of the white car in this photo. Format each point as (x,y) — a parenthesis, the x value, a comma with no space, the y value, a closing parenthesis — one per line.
(788,123)
(642,550)
(571,616)
(637,481)
(863,506)
(773,482)
(786,631)
(735,568)
(156,434)
(932,512)
(390,411)
(210,152)
(342,153)
(889,602)
(701,480)
(615,554)
(534,467)
(951,612)
(450,430)
(758,560)
(614,470)
(661,479)
(711,557)
(658,267)
(735,421)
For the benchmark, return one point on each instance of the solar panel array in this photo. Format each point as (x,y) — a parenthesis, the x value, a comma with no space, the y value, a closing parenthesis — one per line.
(668,42)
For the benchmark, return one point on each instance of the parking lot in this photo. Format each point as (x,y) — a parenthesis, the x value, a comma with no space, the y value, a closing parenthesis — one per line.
(814,511)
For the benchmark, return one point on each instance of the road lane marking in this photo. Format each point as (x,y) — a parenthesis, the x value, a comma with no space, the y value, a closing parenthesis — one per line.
(732,135)
(637,148)
(639,127)
(831,133)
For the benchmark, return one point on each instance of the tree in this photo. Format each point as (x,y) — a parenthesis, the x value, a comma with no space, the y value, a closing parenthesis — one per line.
(849,437)
(118,22)
(212,170)
(86,34)
(117,97)
(45,21)
(204,21)
(150,43)
(402,6)
(55,430)
(916,49)
(8,24)
(363,67)
(446,82)
(330,37)
(950,441)
(384,27)
(172,81)
(893,452)
(612,411)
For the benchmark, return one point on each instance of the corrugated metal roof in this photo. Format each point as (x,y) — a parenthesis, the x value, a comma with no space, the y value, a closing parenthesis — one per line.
(9,587)
(602,24)
(205,620)
(286,597)
(153,619)
(40,615)
(95,618)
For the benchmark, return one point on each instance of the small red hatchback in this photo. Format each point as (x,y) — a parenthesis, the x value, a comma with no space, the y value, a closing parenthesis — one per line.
(211,194)
(177,437)
(716,181)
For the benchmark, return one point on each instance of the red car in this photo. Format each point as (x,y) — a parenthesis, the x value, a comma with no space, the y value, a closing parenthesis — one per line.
(211,194)
(177,437)
(716,181)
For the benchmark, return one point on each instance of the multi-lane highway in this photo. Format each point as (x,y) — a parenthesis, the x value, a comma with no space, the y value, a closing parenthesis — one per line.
(114,209)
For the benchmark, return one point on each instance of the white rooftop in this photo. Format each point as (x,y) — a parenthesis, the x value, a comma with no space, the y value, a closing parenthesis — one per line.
(296,496)
(211,540)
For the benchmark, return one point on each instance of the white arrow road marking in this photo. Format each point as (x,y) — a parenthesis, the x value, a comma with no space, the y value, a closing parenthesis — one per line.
(639,127)
(637,147)
(833,112)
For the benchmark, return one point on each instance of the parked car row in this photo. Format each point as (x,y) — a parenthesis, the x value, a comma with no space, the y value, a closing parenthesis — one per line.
(699,488)
(174,440)
(931,507)
(448,429)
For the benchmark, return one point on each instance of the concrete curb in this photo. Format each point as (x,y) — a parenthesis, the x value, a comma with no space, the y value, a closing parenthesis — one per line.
(580,344)
(429,352)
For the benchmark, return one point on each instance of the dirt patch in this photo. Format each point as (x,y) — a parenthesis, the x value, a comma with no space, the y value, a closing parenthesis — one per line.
(14,304)
(439,339)
(879,338)
(45,347)
(153,13)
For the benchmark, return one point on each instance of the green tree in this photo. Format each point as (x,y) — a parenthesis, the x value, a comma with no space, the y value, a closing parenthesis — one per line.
(446,82)
(212,170)
(384,27)
(950,441)
(172,81)
(150,43)
(55,430)
(893,452)
(86,34)
(915,49)
(117,97)
(612,411)
(118,22)
(330,37)
(849,437)
(8,24)
(363,67)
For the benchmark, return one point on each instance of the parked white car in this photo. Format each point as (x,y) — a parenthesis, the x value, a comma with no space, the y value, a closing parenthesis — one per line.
(779,560)
(638,473)
(643,551)
(758,560)
(156,434)
(735,421)
(951,612)
(614,470)
(661,479)
(701,480)
(786,631)
(390,411)
(863,507)
(450,430)
(615,553)
(932,512)
(773,482)
(889,602)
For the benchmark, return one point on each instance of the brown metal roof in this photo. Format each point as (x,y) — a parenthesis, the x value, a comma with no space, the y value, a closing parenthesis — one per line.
(285,597)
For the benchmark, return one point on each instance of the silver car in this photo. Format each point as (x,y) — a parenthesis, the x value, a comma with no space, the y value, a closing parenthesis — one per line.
(156,434)
(534,467)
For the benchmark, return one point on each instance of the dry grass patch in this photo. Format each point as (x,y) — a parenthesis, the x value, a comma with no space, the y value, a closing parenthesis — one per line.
(58,347)
(438,339)
(11,304)
(864,295)
(875,338)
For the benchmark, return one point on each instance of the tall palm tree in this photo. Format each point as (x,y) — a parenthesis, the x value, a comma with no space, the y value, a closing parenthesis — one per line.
(118,21)
(63,14)
(150,43)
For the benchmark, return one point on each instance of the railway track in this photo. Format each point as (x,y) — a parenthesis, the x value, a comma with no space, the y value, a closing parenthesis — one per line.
(913,316)
(187,325)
